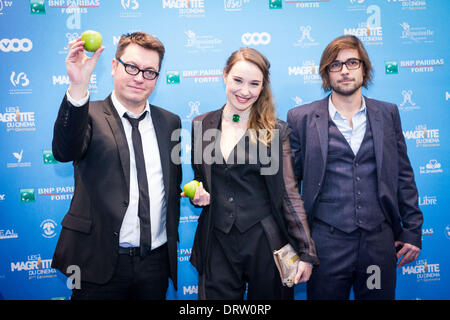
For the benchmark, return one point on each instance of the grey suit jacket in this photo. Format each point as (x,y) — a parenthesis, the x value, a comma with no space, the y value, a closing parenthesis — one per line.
(397,191)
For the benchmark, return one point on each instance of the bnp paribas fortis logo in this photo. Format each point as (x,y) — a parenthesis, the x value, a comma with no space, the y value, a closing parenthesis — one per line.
(173,77)
(48,158)
(275,4)
(27,195)
(391,67)
(37,6)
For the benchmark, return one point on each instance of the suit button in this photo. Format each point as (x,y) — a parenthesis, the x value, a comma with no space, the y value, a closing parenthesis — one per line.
(358,179)
(125,203)
(116,234)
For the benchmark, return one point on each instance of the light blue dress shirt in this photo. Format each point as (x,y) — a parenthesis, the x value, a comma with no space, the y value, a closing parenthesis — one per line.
(355,135)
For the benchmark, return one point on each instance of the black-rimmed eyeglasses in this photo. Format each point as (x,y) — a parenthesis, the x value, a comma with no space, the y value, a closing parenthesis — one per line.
(133,70)
(351,64)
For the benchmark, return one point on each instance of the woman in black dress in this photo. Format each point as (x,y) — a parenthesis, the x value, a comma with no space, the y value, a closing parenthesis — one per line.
(242,157)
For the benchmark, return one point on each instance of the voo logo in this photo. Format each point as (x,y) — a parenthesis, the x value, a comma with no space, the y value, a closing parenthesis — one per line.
(16,45)
(256,38)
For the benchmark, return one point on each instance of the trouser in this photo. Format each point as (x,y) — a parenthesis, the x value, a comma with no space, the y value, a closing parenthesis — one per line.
(135,277)
(240,261)
(364,260)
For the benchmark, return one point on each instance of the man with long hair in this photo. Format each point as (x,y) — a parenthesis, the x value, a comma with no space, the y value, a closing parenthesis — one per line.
(357,182)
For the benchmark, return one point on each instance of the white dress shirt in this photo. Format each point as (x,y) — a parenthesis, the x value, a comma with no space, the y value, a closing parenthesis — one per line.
(355,135)
(130,229)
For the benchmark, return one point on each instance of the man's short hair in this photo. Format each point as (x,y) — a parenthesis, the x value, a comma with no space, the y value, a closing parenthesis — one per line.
(331,52)
(142,39)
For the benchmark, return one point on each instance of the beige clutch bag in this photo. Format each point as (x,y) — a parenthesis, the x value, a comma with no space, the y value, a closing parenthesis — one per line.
(287,261)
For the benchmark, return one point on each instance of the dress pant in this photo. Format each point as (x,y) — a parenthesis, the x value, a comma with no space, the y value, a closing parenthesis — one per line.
(240,261)
(134,278)
(346,260)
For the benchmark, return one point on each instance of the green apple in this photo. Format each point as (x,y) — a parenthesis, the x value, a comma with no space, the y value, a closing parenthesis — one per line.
(190,188)
(92,40)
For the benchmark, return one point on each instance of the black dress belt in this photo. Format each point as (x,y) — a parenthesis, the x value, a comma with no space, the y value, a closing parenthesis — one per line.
(131,251)
(136,251)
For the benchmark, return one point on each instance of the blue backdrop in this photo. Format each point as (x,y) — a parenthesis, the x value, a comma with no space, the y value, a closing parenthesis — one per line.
(407,42)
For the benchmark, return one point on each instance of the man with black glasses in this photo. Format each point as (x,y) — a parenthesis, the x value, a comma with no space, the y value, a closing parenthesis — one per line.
(121,229)
(356,180)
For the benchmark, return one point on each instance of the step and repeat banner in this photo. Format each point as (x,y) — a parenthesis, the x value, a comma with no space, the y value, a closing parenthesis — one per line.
(407,41)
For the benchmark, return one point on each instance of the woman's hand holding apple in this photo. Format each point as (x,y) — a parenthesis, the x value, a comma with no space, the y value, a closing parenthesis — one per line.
(201,197)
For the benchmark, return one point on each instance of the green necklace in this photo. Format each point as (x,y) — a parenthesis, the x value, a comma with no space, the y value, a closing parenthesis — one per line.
(234,117)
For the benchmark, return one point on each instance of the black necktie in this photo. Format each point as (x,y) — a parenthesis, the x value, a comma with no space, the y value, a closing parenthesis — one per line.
(144,200)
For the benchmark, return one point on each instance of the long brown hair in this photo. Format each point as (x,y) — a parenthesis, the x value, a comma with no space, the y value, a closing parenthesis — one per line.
(331,52)
(262,115)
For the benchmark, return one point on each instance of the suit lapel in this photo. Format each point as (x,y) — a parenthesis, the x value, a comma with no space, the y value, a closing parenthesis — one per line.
(373,116)
(272,180)
(163,138)
(115,123)
(211,121)
(321,121)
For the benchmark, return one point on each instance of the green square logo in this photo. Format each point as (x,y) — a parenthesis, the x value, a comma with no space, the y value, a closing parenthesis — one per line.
(37,6)
(48,158)
(391,67)
(27,195)
(275,4)
(172,77)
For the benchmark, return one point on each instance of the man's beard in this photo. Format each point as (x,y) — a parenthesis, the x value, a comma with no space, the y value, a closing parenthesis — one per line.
(347,91)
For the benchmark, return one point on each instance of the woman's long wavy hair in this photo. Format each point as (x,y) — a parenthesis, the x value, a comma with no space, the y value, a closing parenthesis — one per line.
(262,117)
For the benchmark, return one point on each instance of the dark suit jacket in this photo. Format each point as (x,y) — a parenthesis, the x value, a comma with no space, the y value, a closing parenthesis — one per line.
(92,136)
(286,204)
(397,191)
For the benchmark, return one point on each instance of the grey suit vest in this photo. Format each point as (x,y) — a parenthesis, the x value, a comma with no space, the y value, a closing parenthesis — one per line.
(348,199)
